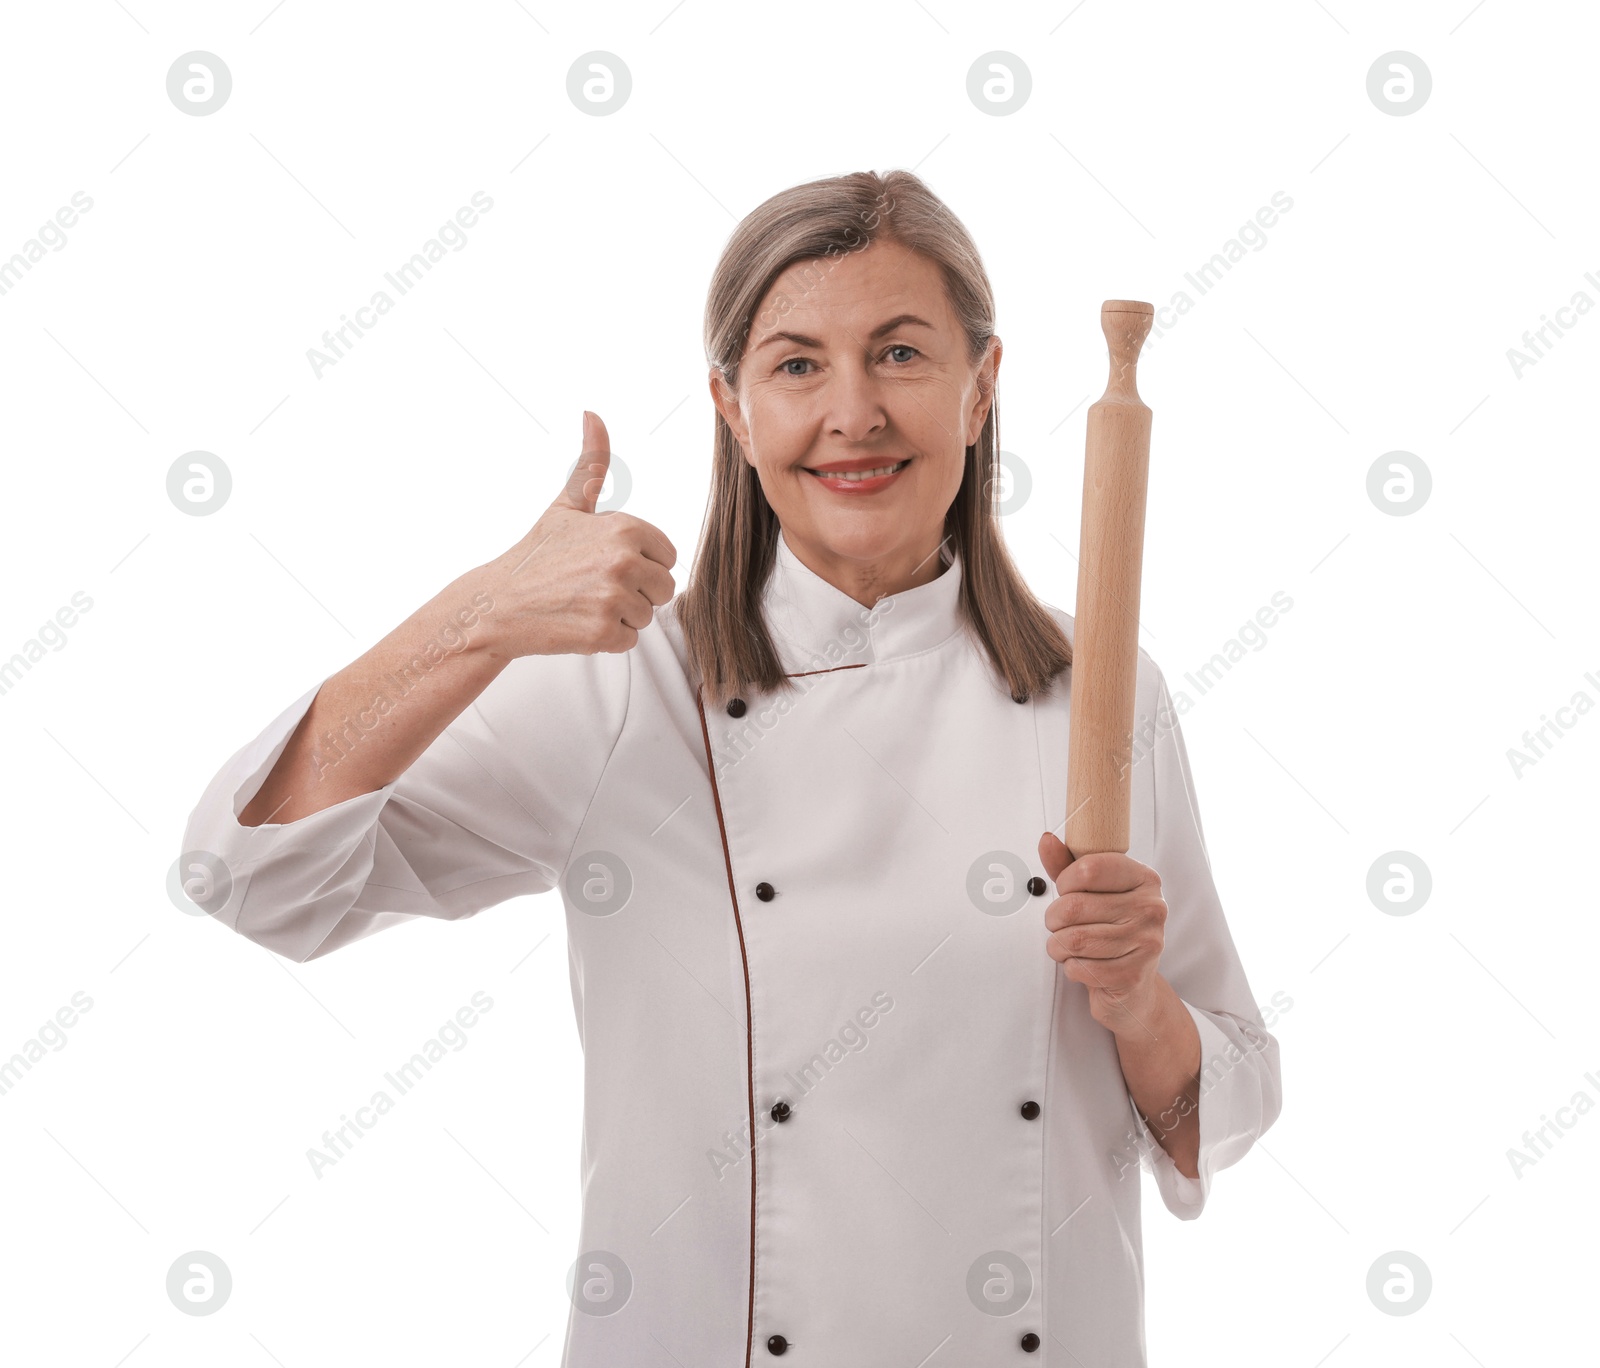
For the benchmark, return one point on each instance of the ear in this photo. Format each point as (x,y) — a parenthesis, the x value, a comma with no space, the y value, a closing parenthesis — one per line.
(727,404)
(988,376)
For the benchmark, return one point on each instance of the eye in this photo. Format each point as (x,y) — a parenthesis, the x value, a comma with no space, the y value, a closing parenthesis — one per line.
(783,366)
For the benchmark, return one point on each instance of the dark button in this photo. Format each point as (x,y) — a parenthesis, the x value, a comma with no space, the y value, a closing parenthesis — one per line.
(776,1344)
(764,891)
(1030,1341)
(736,707)
(1036,885)
(1030,1109)
(780,1111)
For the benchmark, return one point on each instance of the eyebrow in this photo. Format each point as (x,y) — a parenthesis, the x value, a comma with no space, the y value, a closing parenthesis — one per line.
(801,340)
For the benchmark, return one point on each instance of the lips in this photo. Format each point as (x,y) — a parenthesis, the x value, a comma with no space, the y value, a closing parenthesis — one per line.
(859,470)
(857,477)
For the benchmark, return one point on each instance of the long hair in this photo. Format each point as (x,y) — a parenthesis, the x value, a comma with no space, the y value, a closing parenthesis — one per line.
(720,610)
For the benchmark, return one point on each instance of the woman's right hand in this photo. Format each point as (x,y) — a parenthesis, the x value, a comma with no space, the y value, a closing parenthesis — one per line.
(580,582)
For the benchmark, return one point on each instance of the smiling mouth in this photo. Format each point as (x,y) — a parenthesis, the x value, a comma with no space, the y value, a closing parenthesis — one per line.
(857,475)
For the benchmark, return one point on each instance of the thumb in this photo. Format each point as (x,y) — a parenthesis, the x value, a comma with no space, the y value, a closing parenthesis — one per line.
(582,490)
(1054,854)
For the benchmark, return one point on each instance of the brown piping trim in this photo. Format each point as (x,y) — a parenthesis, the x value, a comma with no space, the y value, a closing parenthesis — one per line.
(749,1027)
(749,1030)
(801,674)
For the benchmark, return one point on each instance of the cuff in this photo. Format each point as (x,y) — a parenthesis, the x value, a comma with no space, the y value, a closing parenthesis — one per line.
(216,843)
(1228,1112)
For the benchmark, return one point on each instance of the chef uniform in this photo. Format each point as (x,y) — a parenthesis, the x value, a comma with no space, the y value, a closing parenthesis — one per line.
(840,1105)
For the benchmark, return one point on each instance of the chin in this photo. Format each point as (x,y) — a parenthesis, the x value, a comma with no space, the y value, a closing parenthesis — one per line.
(862,539)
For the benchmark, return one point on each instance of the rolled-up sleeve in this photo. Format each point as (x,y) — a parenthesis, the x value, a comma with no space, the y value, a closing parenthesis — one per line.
(1241,1091)
(489,811)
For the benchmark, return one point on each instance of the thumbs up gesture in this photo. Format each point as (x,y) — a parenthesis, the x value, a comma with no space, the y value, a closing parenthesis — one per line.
(580,582)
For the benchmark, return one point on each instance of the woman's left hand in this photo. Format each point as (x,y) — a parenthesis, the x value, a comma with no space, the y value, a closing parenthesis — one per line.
(1108,929)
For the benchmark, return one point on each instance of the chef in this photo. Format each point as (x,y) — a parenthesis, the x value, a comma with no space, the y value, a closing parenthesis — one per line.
(872,1065)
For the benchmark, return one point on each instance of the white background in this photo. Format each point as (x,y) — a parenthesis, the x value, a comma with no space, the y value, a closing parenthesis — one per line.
(1377,717)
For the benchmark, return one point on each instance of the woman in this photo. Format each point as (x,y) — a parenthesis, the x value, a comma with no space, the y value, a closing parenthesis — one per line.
(856,1088)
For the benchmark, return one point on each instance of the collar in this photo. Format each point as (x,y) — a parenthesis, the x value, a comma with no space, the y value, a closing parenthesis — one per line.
(816,626)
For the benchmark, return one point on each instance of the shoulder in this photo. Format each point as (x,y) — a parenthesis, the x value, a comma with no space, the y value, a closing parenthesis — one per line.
(662,643)
(1061,615)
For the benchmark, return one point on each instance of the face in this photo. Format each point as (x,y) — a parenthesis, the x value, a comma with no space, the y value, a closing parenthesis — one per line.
(857,361)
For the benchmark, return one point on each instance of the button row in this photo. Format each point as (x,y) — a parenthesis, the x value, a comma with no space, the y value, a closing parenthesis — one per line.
(777,1344)
(766,892)
(737,706)
(782,1111)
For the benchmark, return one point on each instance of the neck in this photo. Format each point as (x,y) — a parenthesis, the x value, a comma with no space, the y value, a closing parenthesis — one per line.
(867,581)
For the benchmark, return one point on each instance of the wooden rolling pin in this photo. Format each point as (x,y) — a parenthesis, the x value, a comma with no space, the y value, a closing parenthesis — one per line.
(1105,642)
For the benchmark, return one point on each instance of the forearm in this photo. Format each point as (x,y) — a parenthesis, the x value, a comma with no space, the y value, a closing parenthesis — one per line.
(370,721)
(1160,1057)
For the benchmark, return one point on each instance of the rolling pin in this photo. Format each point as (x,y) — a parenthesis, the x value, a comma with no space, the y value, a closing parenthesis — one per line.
(1105,642)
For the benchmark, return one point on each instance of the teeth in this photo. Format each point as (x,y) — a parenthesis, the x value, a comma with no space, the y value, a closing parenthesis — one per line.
(859,474)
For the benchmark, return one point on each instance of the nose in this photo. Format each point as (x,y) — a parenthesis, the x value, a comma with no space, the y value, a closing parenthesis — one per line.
(855,408)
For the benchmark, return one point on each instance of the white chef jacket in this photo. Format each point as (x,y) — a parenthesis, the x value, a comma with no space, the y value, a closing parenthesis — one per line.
(819,910)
